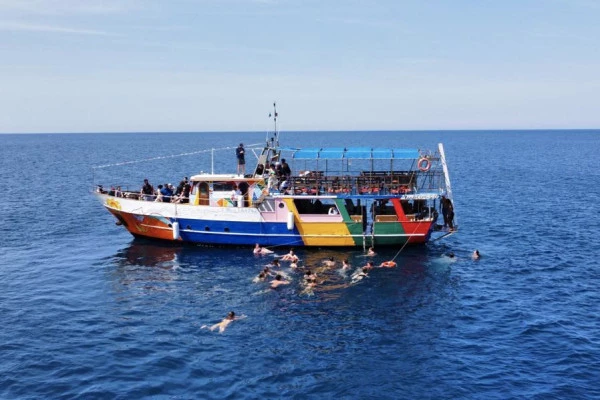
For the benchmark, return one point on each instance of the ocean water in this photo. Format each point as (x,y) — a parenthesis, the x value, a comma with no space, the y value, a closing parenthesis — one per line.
(88,312)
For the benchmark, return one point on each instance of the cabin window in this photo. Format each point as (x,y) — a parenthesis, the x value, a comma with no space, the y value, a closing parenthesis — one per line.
(316,206)
(224,186)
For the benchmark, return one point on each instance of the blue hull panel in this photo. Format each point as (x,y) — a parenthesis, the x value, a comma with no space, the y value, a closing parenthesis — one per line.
(238,233)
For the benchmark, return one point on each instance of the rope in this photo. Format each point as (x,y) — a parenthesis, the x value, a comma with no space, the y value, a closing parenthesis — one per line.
(166,157)
(295,242)
(405,243)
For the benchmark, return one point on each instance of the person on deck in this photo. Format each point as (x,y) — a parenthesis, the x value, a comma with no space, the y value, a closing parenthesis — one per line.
(286,172)
(166,193)
(449,214)
(159,195)
(185,194)
(147,191)
(240,153)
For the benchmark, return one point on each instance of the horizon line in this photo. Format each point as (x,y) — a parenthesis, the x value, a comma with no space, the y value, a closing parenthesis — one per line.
(311,130)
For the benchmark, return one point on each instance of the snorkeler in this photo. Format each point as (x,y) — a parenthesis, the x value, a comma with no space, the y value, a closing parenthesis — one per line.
(225,322)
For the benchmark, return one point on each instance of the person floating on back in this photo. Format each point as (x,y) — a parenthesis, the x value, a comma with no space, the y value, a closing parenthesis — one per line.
(261,250)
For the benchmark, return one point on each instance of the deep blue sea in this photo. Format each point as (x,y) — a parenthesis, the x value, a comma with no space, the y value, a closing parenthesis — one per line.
(87,312)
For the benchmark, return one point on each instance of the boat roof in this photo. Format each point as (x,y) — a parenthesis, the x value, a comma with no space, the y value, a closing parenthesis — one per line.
(365,153)
(204,177)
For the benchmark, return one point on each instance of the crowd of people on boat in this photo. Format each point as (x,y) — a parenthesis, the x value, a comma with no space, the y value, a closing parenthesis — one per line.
(166,193)
(277,174)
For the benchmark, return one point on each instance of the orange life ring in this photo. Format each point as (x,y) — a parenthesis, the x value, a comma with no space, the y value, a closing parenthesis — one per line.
(424,164)
(388,264)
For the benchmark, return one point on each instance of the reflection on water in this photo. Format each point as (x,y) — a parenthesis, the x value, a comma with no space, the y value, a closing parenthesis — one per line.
(147,266)
(148,254)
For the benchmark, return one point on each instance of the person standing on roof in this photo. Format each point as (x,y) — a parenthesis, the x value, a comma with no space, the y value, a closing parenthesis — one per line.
(240,154)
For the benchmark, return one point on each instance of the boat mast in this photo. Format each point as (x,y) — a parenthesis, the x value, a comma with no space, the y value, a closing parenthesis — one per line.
(275,132)
(274,147)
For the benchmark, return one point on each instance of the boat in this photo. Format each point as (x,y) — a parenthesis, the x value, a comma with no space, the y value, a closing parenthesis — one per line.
(332,197)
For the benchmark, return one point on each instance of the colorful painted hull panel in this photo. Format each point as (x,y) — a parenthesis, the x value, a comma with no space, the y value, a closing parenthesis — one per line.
(238,226)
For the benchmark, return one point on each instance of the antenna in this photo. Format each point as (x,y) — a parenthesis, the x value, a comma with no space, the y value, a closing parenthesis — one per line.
(275,133)
(274,139)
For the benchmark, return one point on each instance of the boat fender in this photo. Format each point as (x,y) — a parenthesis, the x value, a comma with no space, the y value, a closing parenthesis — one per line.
(290,221)
(388,264)
(175,230)
(424,164)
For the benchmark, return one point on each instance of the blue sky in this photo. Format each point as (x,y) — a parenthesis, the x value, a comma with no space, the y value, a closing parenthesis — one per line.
(217,65)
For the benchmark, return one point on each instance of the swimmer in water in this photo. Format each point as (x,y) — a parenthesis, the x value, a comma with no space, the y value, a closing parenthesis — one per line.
(278,282)
(359,274)
(225,322)
(261,277)
(371,252)
(291,256)
(369,266)
(476,255)
(309,285)
(261,250)
(330,262)
(309,275)
(345,264)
